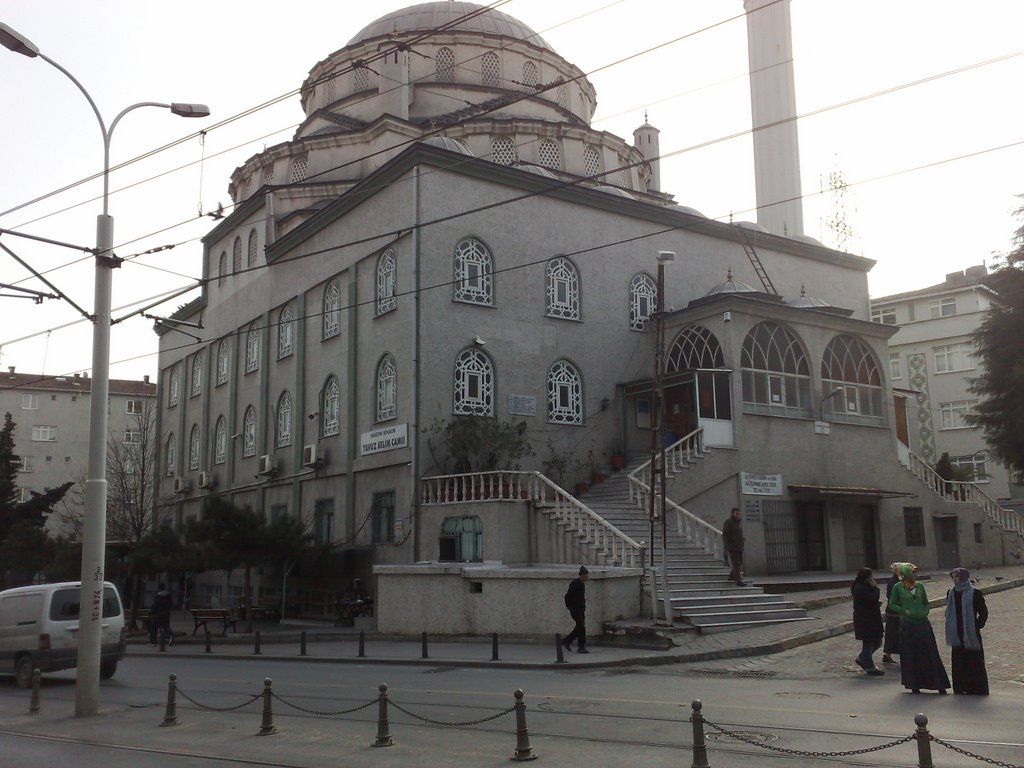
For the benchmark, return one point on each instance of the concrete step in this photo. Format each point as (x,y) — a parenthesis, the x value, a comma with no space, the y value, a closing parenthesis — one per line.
(721,616)
(738,601)
(711,629)
(698,591)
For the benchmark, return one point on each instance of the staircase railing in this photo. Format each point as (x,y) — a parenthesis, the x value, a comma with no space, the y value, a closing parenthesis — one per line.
(501,485)
(688,525)
(681,453)
(967,492)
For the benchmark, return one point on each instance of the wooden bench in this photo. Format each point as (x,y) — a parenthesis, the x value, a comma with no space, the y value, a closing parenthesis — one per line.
(141,616)
(202,616)
(266,613)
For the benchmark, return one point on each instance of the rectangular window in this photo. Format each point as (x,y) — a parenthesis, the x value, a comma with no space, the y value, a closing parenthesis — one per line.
(44,434)
(884,315)
(974,465)
(133,407)
(643,413)
(942,307)
(894,366)
(28,464)
(913,526)
(383,513)
(953,357)
(23,495)
(323,521)
(952,414)
(132,436)
(277,511)
(30,402)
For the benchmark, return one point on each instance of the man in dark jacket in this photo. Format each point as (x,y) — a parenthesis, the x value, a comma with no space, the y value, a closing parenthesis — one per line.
(576,602)
(160,615)
(732,536)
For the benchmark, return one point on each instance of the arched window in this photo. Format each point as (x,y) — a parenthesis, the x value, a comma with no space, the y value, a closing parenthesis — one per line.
(285,333)
(387,382)
(360,79)
(642,295)
(331,90)
(173,385)
(530,76)
(461,540)
(562,96)
(565,394)
(851,382)
(172,454)
(473,272)
(249,432)
(220,441)
(387,270)
(223,362)
(332,310)
(236,256)
(490,69)
(694,347)
(250,258)
(252,349)
(330,408)
(444,62)
(222,271)
(776,376)
(284,420)
(268,179)
(549,155)
(503,151)
(591,161)
(563,289)
(193,448)
(474,384)
(299,165)
(197,375)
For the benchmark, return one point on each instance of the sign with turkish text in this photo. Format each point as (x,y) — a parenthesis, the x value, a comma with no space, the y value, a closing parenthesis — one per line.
(384,439)
(758,484)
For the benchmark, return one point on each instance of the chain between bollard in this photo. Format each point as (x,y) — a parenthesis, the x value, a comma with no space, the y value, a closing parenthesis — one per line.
(464,724)
(189,699)
(966,753)
(171,713)
(33,704)
(267,723)
(325,713)
(847,753)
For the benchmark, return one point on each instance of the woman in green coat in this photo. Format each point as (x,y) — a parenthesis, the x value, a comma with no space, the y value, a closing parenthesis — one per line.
(920,663)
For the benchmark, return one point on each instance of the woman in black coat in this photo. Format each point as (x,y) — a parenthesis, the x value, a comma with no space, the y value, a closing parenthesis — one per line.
(867,619)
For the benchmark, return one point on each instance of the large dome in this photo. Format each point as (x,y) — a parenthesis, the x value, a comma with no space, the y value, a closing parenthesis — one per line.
(430,16)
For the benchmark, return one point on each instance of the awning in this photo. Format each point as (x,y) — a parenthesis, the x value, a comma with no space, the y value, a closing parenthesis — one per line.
(846,490)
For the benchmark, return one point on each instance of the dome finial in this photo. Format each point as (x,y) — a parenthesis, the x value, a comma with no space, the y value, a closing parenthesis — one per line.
(803,289)
(728,275)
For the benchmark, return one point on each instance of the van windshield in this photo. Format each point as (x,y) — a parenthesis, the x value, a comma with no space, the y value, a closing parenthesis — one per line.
(64,605)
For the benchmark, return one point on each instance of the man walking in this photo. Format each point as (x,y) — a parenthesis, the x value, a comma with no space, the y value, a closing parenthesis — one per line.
(576,602)
(732,536)
(160,616)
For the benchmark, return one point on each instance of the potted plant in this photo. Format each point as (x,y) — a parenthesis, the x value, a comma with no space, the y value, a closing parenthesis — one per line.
(617,459)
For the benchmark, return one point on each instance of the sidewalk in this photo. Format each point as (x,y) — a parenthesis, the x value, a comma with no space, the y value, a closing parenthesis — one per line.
(828,614)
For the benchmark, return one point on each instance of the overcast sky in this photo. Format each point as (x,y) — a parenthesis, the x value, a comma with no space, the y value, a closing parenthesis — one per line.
(933,182)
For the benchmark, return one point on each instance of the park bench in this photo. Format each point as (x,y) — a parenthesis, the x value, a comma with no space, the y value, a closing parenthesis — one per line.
(202,616)
(266,613)
(142,617)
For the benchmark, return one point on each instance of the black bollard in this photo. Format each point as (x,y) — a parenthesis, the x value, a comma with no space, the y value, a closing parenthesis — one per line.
(523,749)
(302,644)
(559,655)
(494,646)
(267,725)
(362,644)
(383,727)
(208,649)
(924,742)
(163,641)
(700,747)
(171,713)
(256,644)
(33,704)
(423,642)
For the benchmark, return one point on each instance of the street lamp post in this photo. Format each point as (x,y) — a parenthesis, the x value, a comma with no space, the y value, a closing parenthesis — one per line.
(95,523)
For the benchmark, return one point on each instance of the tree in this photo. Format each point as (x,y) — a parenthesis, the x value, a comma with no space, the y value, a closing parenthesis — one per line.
(9,462)
(999,345)
(477,444)
(25,551)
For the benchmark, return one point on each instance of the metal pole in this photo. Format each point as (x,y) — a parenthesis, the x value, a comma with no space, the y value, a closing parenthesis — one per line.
(494,646)
(256,644)
(559,656)
(362,644)
(659,362)
(423,642)
(924,742)
(700,748)
(207,649)
(171,713)
(302,644)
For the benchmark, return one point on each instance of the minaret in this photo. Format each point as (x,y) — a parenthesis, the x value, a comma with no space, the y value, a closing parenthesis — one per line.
(773,99)
(645,138)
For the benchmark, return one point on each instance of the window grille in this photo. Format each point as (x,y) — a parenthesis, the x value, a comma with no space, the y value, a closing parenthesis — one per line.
(642,295)
(220,441)
(694,347)
(387,378)
(562,96)
(250,258)
(222,268)
(172,455)
(173,383)
(490,69)
(360,79)
(332,310)
(285,333)
(197,376)
(565,394)
(776,375)
(252,349)
(563,289)
(330,423)
(223,362)
(549,155)
(330,89)
(236,256)
(193,448)
(473,272)
(387,270)
(474,384)
(849,366)
(445,65)
(503,151)
(284,420)
(383,517)
(268,174)
(530,77)
(249,432)
(591,161)
(299,168)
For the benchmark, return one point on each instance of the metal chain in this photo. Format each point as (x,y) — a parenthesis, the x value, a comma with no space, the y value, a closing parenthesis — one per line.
(324,714)
(218,709)
(400,708)
(964,752)
(848,753)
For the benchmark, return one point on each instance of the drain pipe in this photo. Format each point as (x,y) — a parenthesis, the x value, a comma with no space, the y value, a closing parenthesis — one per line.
(414,440)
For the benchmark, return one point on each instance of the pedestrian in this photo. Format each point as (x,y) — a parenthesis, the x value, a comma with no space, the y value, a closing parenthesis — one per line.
(966,614)
(892,620)
(576,602)
(920,663)
(867,619)
(732,537)
(160,615)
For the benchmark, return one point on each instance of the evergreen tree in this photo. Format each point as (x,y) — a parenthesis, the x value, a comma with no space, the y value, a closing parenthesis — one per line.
(9,463)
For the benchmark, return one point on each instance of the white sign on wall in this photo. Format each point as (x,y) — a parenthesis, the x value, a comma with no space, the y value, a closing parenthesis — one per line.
(384,439)
(522,405)
(757,484)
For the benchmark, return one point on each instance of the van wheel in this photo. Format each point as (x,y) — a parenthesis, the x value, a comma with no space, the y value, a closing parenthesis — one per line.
(107,669)
(23,671)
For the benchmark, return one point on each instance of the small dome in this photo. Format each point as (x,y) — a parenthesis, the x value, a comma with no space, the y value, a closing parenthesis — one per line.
(689,210)
(529,168)
(730,286)
(449,16)
(805,301)
(452,145)
(614,191)
(807,239)
(751,225)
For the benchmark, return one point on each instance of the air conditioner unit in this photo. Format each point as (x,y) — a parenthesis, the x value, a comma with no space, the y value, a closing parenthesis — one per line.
(180,485)
(207,480)
(267,465)
(313,456)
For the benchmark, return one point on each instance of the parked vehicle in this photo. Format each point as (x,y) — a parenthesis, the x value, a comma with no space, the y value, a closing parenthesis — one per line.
(39,629)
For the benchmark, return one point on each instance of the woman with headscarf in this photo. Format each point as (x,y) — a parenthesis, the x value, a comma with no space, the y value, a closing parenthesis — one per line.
(920,663)
(892,620)
(867,620)
(966,614)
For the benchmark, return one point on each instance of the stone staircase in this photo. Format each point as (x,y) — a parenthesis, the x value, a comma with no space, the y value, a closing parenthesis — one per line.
(700,591)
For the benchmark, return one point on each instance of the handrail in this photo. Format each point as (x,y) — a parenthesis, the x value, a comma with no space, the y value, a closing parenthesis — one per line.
(681,453)
(688,525)
(509,485)
(967,492)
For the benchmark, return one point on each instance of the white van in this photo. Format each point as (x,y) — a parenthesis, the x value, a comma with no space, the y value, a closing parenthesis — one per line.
(39,629)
